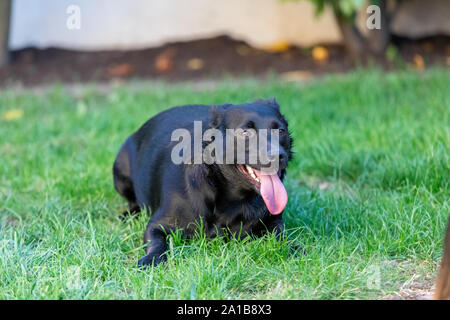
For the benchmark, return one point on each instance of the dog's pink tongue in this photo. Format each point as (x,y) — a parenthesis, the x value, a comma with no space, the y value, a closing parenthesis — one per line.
(273,192)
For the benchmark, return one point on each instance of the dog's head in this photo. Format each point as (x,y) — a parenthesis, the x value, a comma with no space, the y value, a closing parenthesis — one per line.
(257,147)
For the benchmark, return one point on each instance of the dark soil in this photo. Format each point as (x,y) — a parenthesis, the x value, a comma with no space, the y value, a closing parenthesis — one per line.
(202,59)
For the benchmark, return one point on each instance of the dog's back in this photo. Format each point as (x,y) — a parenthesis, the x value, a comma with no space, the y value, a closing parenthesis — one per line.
(138,165)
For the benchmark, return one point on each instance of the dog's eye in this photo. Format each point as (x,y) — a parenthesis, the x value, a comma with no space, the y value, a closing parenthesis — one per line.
(281,131)
(247,133)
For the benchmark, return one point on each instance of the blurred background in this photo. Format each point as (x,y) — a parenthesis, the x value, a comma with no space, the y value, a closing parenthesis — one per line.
(49,41)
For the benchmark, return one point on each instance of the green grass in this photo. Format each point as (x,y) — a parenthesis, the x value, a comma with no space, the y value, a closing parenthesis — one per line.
(368,193)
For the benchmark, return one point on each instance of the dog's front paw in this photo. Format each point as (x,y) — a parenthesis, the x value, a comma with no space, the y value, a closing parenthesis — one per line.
(151,260)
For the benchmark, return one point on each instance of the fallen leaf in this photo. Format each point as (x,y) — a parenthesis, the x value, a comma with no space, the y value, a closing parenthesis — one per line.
(298,75)
(320,54)
(280,46)
(12,114)
(120,70)
(164,62)
(195,64)
(419,64)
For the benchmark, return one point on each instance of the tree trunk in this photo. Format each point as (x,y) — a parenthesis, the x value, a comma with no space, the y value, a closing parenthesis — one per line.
(5,13)
(378,39)
(354,41)
(442,290)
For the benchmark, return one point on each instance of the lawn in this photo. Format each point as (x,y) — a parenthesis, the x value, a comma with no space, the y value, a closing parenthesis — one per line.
(368,193)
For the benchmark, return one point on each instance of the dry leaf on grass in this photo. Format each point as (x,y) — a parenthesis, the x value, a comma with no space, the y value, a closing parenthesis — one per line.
(298,75)
(320,54)
(120,70)
(419,63)
(164,61)
(195,64)
(280,46)
(12,114)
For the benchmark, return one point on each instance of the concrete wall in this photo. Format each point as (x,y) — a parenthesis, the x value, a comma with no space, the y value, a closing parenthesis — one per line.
(112,24)
(130,24)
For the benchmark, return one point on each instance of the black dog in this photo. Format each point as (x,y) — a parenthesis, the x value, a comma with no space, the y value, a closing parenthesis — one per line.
(220,197)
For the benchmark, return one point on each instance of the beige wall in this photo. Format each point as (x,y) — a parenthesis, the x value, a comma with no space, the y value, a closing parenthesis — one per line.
(107,24)
(129,24)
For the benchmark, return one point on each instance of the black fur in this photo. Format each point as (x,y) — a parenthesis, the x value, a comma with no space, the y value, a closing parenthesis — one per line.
(217,196)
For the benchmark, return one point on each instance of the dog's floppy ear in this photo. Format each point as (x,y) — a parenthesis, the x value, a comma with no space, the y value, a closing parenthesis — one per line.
(216,116)
(272,102)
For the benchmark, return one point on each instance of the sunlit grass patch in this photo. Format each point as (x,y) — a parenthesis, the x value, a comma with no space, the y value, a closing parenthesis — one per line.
(368,193)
